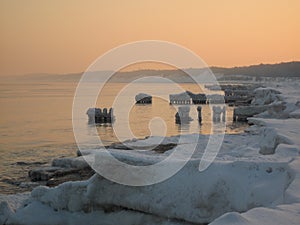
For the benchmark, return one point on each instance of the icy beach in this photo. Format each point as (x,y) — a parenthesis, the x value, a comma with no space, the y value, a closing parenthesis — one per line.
(254,180)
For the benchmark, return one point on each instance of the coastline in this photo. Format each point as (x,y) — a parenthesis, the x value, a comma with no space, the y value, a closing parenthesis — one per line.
(280,192)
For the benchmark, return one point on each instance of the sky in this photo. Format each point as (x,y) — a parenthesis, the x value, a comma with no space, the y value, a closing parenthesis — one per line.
(66,36)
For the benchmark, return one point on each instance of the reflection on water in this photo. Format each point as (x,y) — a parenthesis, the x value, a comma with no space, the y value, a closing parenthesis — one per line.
(141,119)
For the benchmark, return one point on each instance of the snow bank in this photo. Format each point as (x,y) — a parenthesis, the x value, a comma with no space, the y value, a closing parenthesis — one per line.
(284,214)
(5,212)
(289,211)
(47,216)
(265,96)
(236,181)
(9,204)
(269,103)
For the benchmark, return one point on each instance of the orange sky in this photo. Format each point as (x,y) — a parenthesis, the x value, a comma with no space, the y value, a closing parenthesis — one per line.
(63,36)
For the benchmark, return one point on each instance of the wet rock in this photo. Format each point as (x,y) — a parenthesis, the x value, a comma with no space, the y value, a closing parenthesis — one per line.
(83,174)
(28,184)
(164,147)
(10,181)
(78,163)
(243,112)
(21,163)
(46,173)
(120,146)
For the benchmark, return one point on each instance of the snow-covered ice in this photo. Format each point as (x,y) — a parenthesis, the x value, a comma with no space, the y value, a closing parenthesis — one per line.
(283,130)
(288,212)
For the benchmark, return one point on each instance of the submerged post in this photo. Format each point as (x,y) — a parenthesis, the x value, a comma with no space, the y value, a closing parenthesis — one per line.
(217,113)
(199,109)
(182,116)
(96,115)
(110,115)
(234,115)
(104,118)
(224,114)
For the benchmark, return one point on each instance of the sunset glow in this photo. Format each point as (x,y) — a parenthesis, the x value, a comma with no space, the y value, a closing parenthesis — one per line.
(67,36)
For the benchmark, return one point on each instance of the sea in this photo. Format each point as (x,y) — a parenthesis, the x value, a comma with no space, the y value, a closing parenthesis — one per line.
(36,120)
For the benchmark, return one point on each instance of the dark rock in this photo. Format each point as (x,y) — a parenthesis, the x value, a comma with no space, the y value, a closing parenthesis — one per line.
(164,147)
(21,163)
(46,173)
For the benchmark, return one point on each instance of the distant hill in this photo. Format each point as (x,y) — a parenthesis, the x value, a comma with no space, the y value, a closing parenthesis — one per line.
(286,69)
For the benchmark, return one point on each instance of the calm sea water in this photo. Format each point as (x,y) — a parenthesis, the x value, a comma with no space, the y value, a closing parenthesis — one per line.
(36,121)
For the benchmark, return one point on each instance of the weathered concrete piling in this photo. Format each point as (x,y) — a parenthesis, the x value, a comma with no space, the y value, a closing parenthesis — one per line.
(215,99)
(143,98)
(236,95)
(197,98)
(186,98)
(96,115)
(182,116)
(182,98)
(219,111)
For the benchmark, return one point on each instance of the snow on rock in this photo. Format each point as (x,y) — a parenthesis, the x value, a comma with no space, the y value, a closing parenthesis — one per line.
(287,130)
(295,114)
(44,214)
(267,102)
(280,110)
(270,103)
(284,214)
(143,98)
(140,96)
(78,162)
(265,96)
(8,205)
(285,150)
(270,139)
(5,212)
(85,152)
(289,211)
(200,197)
(293,191)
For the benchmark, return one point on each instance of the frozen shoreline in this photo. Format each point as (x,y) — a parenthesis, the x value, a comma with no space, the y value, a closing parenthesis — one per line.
(248,180)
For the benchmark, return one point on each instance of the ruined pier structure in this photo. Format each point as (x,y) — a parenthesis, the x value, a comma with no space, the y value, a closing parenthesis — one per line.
(187,98)
(180,99)
(219,113)
(182,116)
(199,110)
(236,95)
(143,98)
(96,115)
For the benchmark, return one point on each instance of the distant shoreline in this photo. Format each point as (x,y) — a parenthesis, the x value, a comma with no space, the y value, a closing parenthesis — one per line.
(283,69)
